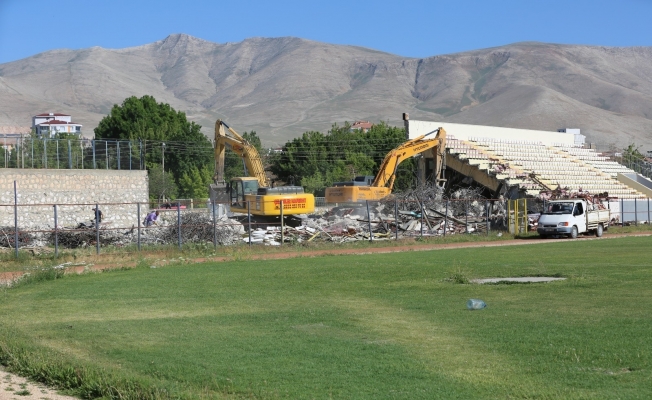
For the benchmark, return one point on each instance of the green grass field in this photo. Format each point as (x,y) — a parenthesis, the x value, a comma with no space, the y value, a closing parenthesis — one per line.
(373,326)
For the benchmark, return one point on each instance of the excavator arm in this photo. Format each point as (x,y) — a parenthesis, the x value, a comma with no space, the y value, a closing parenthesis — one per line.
(387,172)
(240,146)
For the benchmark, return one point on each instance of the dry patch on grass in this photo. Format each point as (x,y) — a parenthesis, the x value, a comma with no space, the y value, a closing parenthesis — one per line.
(13,387)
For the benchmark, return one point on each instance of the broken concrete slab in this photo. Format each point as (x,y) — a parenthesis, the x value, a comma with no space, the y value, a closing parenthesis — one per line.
(521,279)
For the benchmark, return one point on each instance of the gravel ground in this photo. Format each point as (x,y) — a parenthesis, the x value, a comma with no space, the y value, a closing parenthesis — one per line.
(13,387)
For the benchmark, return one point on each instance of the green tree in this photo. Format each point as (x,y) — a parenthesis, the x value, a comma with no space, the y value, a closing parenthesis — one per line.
(186,148)
(161,184)
(195,182)
(317,159)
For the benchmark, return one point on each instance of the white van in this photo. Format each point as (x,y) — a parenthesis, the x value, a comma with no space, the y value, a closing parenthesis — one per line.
(572,217)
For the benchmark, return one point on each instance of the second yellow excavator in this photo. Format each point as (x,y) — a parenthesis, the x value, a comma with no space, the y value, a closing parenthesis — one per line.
(369,188)
(253,193)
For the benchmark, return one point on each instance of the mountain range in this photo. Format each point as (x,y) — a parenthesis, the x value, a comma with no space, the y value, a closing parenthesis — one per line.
(282,87)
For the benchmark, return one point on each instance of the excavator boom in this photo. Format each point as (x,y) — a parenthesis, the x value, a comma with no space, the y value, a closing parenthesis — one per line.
(384,181)
(241,147)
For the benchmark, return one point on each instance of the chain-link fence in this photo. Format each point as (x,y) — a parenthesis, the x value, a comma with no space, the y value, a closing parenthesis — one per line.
(124,225)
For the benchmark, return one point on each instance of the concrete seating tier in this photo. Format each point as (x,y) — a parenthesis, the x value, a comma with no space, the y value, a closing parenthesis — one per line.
(575,168)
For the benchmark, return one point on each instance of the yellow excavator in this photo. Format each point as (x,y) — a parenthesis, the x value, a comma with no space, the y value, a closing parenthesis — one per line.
(375,188)
(253,193)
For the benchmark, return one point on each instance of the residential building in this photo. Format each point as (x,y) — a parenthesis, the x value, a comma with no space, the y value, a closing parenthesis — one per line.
(50,124)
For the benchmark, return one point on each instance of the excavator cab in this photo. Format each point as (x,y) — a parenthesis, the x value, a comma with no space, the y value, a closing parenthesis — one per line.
(241,187)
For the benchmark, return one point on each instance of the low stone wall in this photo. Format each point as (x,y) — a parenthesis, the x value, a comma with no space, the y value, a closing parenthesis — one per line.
(75,192)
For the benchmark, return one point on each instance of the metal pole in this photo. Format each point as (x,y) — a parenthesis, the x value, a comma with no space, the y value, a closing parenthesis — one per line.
(138,221)
(93,146)
(421,207)
(16,218)
(69,155)
(117,146)
(32,141)
(282,226)
(129,156)
(635,212)
(56,233)
(97,228)
(45,152)
(371,235)
(466,211)
(648,210)
(179,222)
(396,217)
(486,214)
(214,225)
(57,142)
(622,213)
(249,221)
(446,219)
(106,153)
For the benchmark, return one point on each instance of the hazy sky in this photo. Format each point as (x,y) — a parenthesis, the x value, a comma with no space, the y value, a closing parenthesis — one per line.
(413,28)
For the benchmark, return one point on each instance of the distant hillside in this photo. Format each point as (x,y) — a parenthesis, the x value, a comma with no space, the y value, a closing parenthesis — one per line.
(283,87)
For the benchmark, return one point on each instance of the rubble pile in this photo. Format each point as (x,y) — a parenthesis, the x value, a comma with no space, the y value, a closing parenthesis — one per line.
(8,237)
(197,227)
(85,236)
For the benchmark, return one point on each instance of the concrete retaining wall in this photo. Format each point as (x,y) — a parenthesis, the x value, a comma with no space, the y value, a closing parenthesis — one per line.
(75,192)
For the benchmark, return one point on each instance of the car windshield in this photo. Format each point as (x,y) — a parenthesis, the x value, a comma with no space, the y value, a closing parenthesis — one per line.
(559,208)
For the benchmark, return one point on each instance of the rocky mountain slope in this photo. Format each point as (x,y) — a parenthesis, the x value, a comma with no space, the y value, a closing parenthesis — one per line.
(282,87)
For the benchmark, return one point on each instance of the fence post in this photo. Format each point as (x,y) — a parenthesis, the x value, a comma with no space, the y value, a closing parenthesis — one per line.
(69,155)
(45,152)
(16,218)
(106,153)
(129,155)
(57,142)
(249,221)
(97,228)
(138,222)
(396,217)
(371,235)
(486,206)
(117,146)
(421,207)
(648,210)
(466,212)
(179,222)
(56,233)
(214,225)
(282,226)
(446,219)
(32,142)
(635,212)
(93,145)
(622,213)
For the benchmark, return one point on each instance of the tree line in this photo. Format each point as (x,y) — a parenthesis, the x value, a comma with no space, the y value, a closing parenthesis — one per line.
(314,160)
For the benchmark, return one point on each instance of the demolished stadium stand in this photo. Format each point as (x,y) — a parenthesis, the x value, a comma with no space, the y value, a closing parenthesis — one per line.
(520,162)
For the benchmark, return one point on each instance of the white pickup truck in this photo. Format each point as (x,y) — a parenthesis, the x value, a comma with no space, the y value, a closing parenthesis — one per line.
(572,217)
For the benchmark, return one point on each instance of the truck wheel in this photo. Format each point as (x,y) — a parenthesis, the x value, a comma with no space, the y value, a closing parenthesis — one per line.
(573,234)
(598,231)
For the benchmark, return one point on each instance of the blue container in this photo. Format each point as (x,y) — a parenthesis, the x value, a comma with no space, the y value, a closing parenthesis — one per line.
(475,304)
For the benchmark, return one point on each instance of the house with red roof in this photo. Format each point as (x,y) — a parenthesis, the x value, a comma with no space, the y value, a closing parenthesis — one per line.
(363,126)
(50,124)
